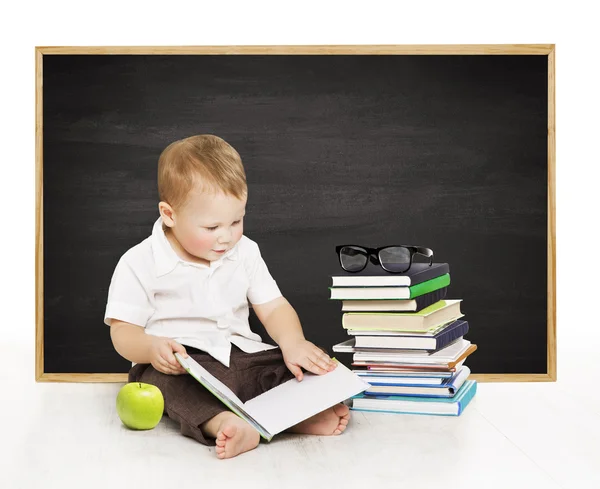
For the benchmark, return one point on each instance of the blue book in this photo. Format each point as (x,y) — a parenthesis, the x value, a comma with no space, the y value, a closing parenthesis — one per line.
(399,387)
(452,406)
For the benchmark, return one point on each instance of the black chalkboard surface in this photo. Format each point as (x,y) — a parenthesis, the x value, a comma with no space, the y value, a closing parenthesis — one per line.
(448,152)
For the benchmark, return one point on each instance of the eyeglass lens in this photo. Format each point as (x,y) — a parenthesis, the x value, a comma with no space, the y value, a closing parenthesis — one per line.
(353,259)
(395,259)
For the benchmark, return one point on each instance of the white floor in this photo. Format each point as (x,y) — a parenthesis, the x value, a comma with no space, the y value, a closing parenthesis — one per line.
(512,435)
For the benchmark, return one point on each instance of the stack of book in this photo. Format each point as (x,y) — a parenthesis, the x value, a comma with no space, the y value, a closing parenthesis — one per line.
(407,339)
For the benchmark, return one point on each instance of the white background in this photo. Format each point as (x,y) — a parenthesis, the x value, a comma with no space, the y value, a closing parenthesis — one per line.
(26,25)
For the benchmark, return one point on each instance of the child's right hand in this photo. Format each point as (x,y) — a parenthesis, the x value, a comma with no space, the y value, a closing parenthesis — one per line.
(162,358)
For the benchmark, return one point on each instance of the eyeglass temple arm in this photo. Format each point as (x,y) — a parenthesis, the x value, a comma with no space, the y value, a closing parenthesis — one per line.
(425,252)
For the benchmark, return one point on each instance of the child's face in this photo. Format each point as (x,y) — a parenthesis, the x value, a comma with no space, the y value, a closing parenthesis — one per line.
(209,224)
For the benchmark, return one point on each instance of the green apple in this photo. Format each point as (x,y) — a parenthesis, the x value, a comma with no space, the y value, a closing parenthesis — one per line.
(140,406)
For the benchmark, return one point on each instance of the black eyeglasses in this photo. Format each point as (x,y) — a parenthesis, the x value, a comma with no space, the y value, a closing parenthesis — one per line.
(393,259)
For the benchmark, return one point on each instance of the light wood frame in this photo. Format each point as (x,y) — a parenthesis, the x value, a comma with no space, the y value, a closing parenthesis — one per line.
(445,49)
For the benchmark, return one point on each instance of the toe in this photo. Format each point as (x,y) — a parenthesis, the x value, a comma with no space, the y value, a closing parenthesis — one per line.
(337,432)
(343,421)
(341,427)
(229,431)
(341,410)
(220,443)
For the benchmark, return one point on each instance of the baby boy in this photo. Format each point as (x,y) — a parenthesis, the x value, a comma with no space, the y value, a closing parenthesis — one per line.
(187,289)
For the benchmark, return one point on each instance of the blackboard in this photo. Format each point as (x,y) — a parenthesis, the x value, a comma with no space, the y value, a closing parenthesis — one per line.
(445,151)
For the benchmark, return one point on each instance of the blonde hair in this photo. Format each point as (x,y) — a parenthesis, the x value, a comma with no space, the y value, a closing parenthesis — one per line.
(204,160)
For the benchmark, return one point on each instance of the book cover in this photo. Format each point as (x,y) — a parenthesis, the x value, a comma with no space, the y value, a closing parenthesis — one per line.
(374,293)
(374,275)
(452,406)
(409,305)
(285,405)
(440,313)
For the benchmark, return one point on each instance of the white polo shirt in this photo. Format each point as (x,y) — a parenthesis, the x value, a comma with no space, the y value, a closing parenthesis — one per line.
(197,305)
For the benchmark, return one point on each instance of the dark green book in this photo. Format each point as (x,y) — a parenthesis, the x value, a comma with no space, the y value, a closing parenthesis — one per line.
(387,293)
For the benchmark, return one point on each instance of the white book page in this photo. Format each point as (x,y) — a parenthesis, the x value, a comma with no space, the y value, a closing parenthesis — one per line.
(291,402)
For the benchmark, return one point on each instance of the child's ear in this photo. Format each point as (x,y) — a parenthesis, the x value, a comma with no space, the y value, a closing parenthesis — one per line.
(167,214)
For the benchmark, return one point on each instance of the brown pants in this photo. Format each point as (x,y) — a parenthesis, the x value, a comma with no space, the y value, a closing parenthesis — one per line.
(188,403)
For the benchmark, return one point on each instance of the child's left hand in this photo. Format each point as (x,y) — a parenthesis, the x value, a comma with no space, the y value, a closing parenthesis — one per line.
(303,353)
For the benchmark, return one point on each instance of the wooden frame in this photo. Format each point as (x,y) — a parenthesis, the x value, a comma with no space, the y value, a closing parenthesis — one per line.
(445,49)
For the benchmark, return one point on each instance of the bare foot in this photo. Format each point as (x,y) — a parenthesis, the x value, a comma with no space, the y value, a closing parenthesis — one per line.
(232,435)
(332,421)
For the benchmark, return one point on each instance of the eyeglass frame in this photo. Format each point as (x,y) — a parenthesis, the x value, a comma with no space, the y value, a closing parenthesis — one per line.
(373,254)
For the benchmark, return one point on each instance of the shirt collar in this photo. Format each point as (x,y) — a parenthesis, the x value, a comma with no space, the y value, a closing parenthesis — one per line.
(165,258)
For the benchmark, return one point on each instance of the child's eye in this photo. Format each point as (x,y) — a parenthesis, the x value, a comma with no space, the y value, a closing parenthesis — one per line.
(213,228)
(235,223)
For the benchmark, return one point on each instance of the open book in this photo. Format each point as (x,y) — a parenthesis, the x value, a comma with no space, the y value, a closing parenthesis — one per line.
(287,404)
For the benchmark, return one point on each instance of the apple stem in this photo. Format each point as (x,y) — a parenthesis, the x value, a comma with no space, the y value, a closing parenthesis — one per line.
(140,384)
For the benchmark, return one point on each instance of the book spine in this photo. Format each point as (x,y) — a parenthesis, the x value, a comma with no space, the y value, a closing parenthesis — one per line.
(447,337)
(429,286)
(464,402)
(457,381)
(429,273)
(430,298)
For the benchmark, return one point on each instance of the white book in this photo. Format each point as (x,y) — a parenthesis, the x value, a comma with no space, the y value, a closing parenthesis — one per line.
(287,404)
(350,293)
(379,305)
(398,374)
(374,275)
(349,346)
(370,281)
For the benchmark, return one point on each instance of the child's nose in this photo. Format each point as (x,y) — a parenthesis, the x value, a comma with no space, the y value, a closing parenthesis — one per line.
(225,237)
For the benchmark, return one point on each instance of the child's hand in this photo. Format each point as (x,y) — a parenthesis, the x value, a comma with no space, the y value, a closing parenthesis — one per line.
(303,353)
(162,358)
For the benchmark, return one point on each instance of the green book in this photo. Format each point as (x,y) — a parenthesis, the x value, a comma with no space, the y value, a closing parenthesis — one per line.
(387,293)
